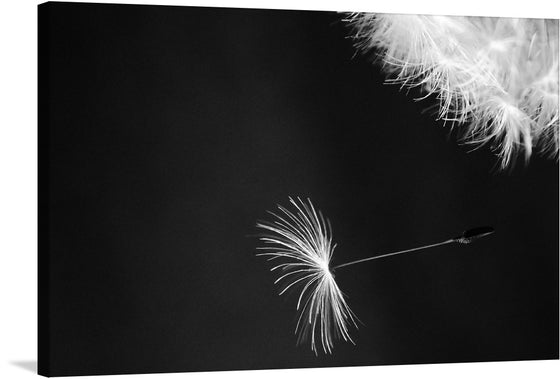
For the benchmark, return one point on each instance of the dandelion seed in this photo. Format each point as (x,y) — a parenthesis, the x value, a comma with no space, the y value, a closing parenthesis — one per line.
(300,241)
(496,76)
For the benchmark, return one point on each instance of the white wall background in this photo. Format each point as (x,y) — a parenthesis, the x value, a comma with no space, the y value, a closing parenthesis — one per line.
(18,186)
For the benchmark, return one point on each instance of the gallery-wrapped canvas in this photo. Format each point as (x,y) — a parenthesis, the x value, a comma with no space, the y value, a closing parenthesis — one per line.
(394,178)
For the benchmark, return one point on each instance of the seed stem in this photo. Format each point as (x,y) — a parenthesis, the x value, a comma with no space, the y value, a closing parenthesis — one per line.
(394,253)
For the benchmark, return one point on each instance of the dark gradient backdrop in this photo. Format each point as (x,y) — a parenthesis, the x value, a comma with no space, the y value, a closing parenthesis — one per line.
(166,132)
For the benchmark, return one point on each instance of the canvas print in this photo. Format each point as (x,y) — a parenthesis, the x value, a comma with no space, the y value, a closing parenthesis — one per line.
(241,189)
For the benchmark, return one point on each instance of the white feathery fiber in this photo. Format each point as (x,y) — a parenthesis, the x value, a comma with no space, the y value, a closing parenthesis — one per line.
(496,77)
(301,242)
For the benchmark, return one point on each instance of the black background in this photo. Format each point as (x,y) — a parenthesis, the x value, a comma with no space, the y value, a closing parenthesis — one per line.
(166,132)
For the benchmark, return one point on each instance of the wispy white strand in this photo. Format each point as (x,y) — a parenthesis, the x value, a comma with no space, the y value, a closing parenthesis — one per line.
(498,77)
(302,242)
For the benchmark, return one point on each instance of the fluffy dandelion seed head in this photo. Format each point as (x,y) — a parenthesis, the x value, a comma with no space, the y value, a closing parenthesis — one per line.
(497,77)
(300,241)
